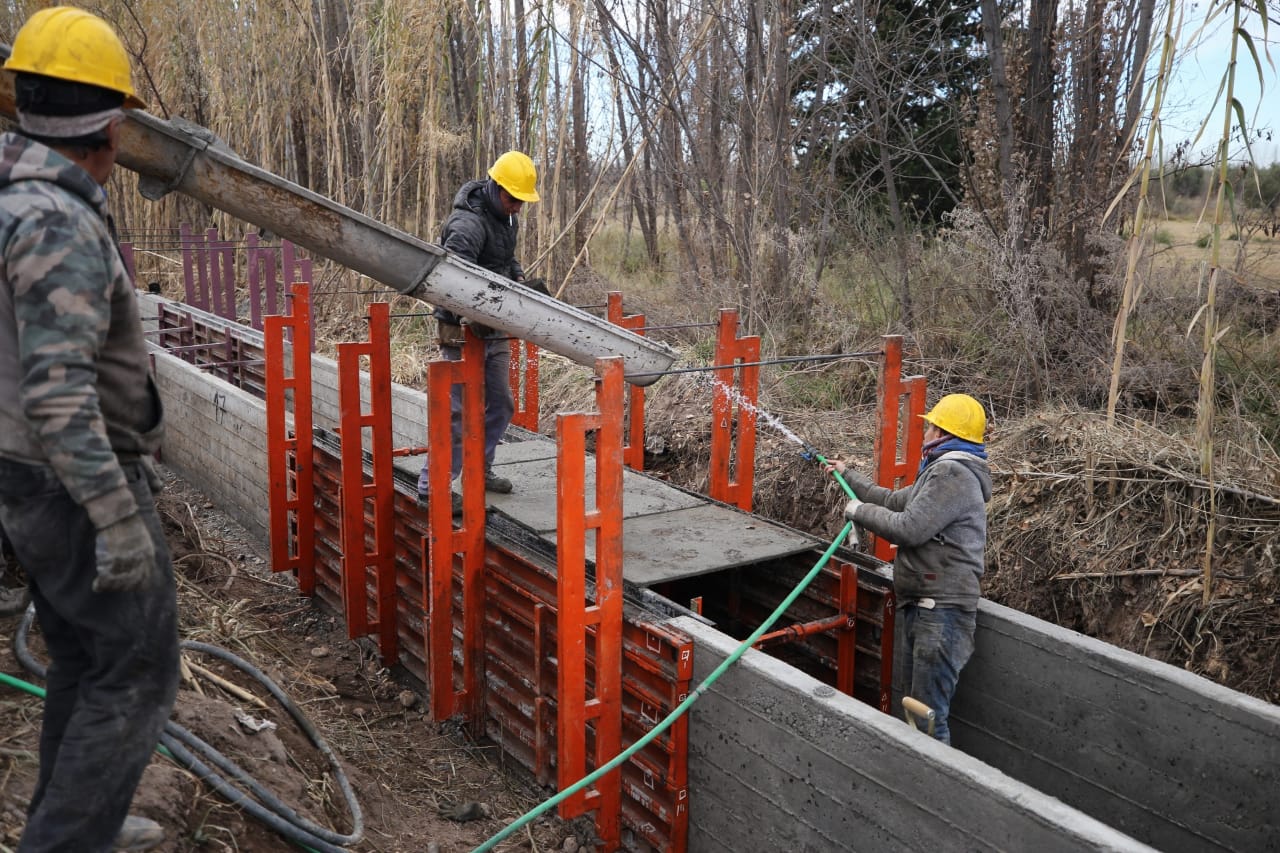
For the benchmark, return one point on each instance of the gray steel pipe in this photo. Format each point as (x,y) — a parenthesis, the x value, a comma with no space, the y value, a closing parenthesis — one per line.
(184,157)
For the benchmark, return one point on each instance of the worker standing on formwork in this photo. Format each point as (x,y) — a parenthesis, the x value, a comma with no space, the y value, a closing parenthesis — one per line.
(79,415)
(939,524)
(482,229)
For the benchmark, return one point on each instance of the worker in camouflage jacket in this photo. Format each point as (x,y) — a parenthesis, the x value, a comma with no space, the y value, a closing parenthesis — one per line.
(939,525)
(482,229)
(78,416)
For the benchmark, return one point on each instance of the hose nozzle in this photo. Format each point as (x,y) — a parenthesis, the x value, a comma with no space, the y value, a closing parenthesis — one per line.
(811,454)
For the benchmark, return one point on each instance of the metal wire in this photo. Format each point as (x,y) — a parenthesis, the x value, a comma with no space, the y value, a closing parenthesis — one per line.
(791,359)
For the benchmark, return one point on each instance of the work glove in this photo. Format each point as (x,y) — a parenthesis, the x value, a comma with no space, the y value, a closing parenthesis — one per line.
(850,509)
(126,556)
(539,284)
(154,483)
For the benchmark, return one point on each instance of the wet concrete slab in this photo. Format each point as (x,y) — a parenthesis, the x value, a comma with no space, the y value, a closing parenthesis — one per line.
(667,533)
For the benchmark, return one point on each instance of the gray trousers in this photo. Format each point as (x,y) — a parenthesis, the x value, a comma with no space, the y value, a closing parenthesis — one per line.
(499,405)
(113,671)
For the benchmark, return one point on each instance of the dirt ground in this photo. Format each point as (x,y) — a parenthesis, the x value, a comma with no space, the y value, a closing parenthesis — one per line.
(422,786)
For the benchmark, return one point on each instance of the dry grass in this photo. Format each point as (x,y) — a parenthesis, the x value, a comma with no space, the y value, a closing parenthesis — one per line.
(1256,259)
(1102,530)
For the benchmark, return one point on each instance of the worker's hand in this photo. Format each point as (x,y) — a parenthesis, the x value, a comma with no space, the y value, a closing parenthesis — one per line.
(126,556)
(153,476)
(850,509)
(834,465)
(539,284)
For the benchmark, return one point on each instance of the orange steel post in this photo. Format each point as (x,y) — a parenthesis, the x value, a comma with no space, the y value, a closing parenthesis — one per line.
(898,427)
(448,546)
(355,494)
(524,383)
(725,398)
(633,448)
(847,640)
(291,488)
(603,619)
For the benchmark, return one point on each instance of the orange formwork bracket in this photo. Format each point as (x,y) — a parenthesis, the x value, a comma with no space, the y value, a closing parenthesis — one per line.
(290,483)
(370,503)
(734,407)
(524,383)
(455,556)
(633,438)
(899,429)
(591,630)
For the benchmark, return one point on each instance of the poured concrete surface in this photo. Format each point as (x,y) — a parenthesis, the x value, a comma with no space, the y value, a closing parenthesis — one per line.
(667,533)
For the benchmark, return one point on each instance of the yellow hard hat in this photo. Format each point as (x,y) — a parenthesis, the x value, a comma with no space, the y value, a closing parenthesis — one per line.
(960,415)
(515,173)
(73,45)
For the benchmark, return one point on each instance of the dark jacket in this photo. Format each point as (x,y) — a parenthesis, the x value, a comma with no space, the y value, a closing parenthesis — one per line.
(939,524)
(478,232)
(75,391)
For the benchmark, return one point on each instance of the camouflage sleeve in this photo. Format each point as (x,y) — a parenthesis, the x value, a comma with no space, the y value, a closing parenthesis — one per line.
(62,303)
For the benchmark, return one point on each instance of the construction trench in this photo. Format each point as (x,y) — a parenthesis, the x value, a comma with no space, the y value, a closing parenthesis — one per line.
(568,631)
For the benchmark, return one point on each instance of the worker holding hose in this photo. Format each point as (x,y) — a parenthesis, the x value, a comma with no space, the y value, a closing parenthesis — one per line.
(939,524)
(482,229)
(79,415)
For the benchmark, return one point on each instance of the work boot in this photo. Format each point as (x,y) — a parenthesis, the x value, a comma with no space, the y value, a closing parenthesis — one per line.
(138,833)
(455,502)
(496,483)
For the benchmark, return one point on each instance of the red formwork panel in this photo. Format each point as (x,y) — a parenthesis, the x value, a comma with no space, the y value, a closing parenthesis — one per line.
(520,695)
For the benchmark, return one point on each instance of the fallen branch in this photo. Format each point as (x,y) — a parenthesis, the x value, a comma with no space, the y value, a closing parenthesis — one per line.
(234,689)
(1129,573)
(1133,573)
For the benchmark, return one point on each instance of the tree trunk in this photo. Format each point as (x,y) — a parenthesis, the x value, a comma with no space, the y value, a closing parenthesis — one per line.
(992,28)
(1039,112)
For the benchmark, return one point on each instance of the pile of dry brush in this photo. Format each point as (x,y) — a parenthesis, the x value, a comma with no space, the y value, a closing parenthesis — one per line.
(1103,530)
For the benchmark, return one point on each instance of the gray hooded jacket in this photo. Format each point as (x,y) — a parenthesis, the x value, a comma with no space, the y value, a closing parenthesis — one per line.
(939,524)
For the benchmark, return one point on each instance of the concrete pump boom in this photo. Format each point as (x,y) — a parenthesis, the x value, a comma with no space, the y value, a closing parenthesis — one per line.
(184,157)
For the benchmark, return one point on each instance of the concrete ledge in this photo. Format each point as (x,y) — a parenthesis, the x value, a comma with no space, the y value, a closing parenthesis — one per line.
(779,761)
(216,438)
(1161,754)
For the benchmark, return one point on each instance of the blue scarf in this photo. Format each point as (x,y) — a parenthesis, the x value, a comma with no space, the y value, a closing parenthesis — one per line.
(946,444)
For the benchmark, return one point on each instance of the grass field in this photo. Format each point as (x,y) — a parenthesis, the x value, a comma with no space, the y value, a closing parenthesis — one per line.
(1184,243)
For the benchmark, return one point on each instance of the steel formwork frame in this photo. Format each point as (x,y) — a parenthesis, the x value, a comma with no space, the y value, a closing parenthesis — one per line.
(633,440)
(356,494)
(519,626)
(735,388)
(289,475)
(899,429)
(509,607)
(444,544)
(580,620)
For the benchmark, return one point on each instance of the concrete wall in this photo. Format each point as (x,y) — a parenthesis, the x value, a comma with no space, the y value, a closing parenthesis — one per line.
(216,439)
(779,761)
(408,405)
(1161,754)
